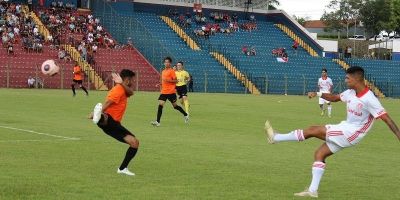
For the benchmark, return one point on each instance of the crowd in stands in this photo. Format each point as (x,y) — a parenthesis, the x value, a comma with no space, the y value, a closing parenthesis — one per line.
(218,22)
(16,26)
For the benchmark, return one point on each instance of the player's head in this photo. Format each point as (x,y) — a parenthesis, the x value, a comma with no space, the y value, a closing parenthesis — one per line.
(127,76)
(167,62)
(354,76)
(179,65)
(324,72)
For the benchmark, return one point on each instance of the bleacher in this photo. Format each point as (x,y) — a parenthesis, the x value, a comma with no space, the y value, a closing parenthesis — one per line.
(208,74)
(298,75)
(385,73)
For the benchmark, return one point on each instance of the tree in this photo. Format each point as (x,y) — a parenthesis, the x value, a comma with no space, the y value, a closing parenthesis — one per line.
(376,15)
(301,20)
(342,14)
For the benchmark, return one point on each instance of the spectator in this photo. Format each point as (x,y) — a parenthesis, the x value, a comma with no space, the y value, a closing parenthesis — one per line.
(253,51)
(295,46)
(94,48)
(10,49)
(235,17)
(349,50)
(30,5)
(245,50)
(31,82)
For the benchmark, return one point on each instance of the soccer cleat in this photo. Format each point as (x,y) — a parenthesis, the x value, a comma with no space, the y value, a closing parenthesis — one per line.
(269,131)
(97,113)
(307,193)
(155,123)
(125,171)
(186,118)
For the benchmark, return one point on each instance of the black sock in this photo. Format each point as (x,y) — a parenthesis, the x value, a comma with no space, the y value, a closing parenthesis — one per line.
(73,89)
(84,89)
(180,110)
(159,113)
(130,153)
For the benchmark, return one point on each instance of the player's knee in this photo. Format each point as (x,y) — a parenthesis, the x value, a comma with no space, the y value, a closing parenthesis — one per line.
(135,143)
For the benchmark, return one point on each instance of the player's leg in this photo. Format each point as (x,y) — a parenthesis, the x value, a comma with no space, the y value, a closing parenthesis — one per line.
(296,135)
(186,103)
(318,169)
(133,143)
(83,87)
(185,99)
(321,106)
(161,102)
(172,99)
(329,109)
(73,88)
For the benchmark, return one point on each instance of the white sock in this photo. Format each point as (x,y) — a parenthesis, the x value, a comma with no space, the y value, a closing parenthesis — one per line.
(329,110)
(296,135)
(317,172)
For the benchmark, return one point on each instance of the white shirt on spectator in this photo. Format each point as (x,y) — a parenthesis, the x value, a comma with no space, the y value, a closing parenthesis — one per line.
(99,28)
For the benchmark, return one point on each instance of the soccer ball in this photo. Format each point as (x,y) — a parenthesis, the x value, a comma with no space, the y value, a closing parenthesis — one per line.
(50,68)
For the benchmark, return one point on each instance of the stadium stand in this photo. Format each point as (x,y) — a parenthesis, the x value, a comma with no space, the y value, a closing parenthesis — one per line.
(98,49)
(29,50)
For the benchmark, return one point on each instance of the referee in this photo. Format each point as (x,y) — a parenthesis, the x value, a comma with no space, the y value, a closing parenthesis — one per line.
(181,86)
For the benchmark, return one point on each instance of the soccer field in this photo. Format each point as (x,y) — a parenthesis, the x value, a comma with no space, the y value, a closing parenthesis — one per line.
(221,154)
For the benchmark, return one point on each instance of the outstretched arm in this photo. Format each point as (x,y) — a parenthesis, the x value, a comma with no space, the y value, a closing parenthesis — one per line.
(326,96)
(390,123)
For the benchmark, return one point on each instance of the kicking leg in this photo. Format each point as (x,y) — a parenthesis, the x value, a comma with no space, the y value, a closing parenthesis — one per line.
(296,135)
(318,169)
(186,103)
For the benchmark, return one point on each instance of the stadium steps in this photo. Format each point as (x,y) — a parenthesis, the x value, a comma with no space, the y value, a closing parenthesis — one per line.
(239,75)
(92,75)
(181,33)
(298,39)
(42,28)
(371,85)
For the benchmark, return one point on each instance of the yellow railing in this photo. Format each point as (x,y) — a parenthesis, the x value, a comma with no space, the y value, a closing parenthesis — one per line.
(42,28)
(295,37)
(93,76)
(238,75)
(182,34)
(371,85)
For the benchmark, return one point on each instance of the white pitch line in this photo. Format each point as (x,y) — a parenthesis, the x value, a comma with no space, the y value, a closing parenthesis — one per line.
(4,141)
(39,133)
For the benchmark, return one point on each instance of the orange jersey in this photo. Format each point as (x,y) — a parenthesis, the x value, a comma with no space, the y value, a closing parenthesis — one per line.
(77,73)
(118,96)
(168,88)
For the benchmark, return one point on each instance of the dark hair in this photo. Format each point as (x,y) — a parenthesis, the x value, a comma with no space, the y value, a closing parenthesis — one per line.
(324,70)
(355,70)
(126,73)
(180,62)
(168,58)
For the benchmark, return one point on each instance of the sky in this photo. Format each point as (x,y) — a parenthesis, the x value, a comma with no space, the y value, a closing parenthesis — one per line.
(304,8)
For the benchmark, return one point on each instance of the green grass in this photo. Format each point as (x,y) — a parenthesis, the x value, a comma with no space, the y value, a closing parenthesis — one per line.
(221,154)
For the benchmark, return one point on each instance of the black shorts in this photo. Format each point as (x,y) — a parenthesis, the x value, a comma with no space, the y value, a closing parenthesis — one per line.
(182,91)
(114,129)
(77,81)
(170,97)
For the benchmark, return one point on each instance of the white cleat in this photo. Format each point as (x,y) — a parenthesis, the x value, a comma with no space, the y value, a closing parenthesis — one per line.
(307,193)
(155,123)
(125,171)
(97,113)
(186,119)
(269,131)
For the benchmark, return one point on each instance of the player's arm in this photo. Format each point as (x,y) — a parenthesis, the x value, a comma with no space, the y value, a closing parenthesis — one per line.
(172,78)
(390,123)
(118,80)
(326,96)
(107,104)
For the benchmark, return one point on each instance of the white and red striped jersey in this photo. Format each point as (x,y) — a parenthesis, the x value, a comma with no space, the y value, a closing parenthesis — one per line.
(362,110)
(325,84)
